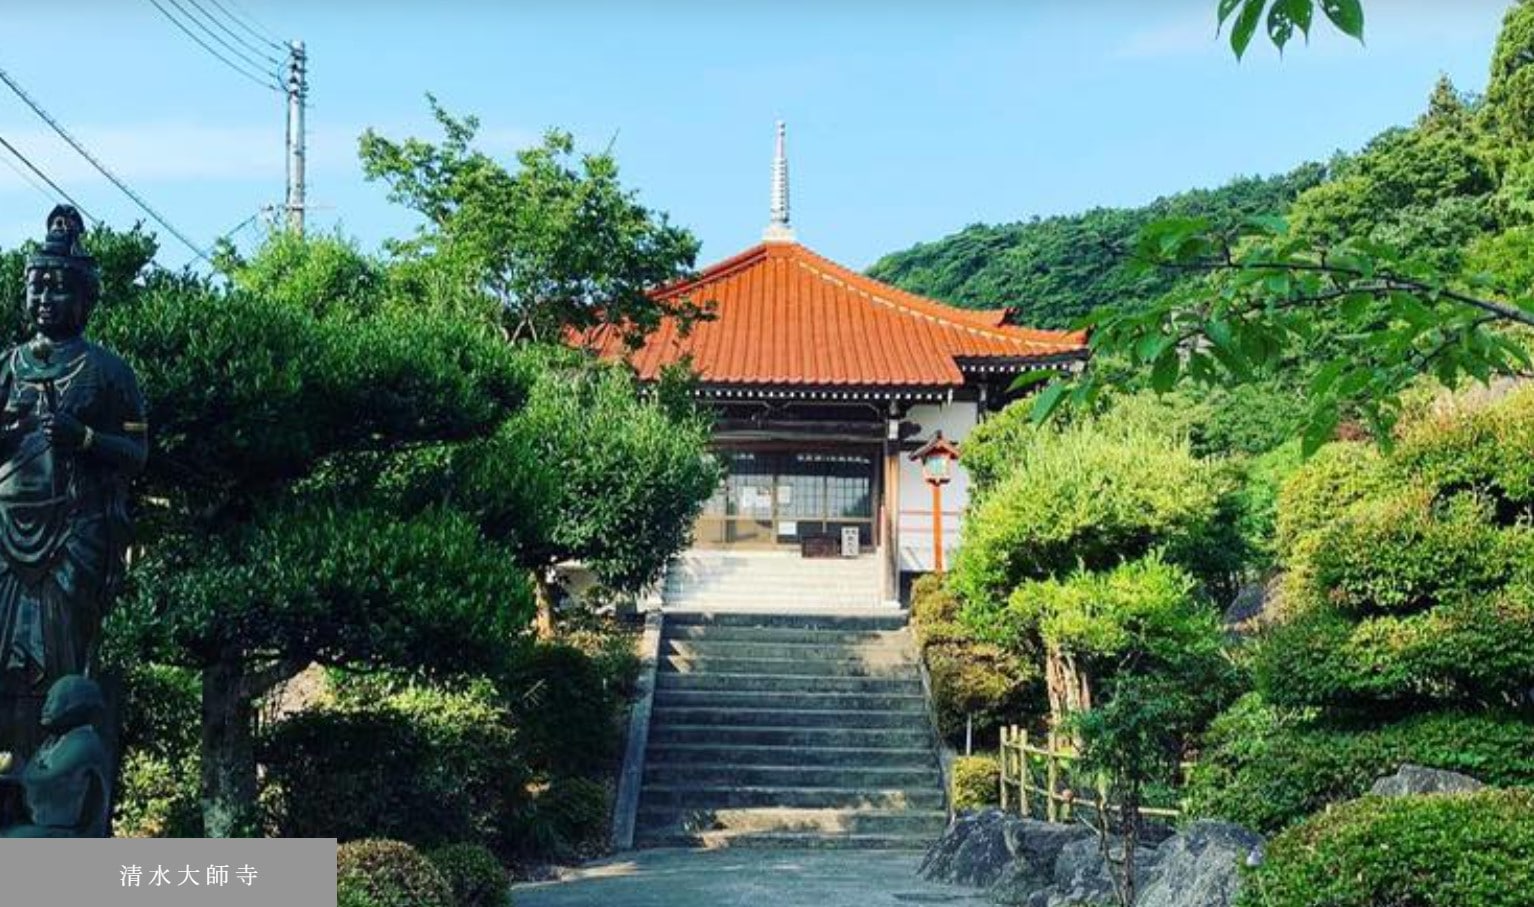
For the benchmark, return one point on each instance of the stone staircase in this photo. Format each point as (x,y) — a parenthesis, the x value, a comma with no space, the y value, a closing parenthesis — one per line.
(789,731)
(761,581)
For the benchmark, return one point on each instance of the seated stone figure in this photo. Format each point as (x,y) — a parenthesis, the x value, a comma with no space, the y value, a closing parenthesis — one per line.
(66,787)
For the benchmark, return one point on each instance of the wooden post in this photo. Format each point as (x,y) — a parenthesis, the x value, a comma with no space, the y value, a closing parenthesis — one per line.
(1001,762)
(937,527)
(1023,774)
(1052,780)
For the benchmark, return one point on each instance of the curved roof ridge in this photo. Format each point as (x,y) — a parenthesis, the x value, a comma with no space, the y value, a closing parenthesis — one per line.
(954,316)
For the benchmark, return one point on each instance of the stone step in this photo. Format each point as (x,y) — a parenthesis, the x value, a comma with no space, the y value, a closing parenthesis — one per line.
(858,756)
(894,650)
(727,633)
(903,665)
(789,683)
(909,735)
(664,716)
(697,796)
(796,776)
(769,820)
(754,604)
(872,619)
(910,703)
(721,840)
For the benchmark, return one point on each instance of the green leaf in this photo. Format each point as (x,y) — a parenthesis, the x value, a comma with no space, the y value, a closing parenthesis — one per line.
(1149,347)
(1285,17)
(1320,428)
(1326,377)
(1347,15)
(1246,26)
(1047,402)
(1218,331)
(1226,8)
(1164,372)
(1029,379)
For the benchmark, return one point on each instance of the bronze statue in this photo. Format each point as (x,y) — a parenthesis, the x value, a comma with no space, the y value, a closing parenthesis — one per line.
(66,785)
(72,433)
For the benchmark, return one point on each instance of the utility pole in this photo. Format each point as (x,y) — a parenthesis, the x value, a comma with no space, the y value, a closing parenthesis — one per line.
(297,87)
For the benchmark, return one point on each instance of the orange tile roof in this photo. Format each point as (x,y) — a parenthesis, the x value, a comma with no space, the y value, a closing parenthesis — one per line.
(785,315)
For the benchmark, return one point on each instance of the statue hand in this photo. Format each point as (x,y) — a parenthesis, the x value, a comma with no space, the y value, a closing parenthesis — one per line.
(62,430)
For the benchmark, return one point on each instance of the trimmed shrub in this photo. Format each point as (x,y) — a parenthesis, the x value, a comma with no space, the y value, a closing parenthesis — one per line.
(979,683)
(976,782)
(474,874)
(971,681)
(1405,552)
(424,765)
(1467,445)
(1478,649)
(1337,476)
(1087,496)
(1465,850)
(1267,767)
(389,874)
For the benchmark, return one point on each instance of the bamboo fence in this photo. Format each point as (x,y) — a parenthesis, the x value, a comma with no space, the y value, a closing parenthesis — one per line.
(1021,765)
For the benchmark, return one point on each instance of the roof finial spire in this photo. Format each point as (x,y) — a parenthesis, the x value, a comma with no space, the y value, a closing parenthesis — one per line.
(778,229)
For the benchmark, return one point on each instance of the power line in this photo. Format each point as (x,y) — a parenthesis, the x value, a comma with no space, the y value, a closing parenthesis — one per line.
(237,51)
(34,168)
(30,181)
(245,42)
(100,167)
(273,85)
(260,34)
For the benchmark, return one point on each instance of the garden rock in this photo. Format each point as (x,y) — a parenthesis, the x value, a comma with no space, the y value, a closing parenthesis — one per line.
(1201,867)
(973,851)
(1035,848)
(1082,875)
(1414,779)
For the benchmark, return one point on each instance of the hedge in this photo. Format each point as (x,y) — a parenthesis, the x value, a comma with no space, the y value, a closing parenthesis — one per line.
(1461,850)
(976,782)
(1267,767)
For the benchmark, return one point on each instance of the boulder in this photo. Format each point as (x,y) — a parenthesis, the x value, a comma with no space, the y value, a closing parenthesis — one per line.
(1414,779)
(1034,847)
(1200,867)
(1082,875)
(973,851)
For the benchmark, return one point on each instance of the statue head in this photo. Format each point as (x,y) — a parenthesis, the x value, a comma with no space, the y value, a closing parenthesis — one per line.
(72,701)
(62,281)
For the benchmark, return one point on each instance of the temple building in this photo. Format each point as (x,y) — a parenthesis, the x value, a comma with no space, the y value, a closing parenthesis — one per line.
(825,382)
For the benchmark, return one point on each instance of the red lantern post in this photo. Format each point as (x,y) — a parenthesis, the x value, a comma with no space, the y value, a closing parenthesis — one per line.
(937,457)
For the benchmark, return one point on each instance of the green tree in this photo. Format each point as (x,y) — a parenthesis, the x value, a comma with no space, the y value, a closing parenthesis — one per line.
(557,243)
(1510,91)
(606,475)
(1101,532)
(260,556)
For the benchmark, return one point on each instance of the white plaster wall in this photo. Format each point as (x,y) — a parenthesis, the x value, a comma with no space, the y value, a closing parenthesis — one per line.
(955,420)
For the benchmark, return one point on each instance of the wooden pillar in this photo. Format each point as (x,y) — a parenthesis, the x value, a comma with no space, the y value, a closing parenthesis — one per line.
(937,527)
(890,524)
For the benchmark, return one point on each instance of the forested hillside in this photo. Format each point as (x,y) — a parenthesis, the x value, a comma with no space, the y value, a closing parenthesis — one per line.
(1055,269)
(1452,188)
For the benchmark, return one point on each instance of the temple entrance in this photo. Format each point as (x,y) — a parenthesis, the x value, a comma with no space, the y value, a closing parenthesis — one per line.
(782,499)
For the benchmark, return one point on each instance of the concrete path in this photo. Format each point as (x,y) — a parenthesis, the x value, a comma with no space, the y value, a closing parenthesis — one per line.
(746,878)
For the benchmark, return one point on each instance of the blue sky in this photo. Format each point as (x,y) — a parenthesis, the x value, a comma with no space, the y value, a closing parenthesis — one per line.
(906,121)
